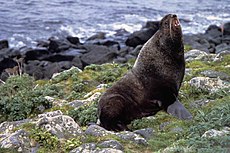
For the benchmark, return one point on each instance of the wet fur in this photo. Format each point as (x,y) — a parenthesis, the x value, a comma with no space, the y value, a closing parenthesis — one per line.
(152,84)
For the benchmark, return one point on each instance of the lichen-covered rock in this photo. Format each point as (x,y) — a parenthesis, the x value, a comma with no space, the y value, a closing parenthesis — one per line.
(73,69)
(62,126)
(7,127)
(214,133)
(111,144)
(131,136)
(194,55)
(210,84)
(92,148)
(146,133)
(18,140)
(97,131)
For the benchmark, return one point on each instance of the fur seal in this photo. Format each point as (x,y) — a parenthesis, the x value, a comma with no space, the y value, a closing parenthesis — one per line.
(152,84)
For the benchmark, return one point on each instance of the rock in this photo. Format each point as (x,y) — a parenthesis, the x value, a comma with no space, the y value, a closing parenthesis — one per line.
(98,55)
(73,69)
(177,130)
(136,51)
(152,25)
(213,31)
(139,37)
(146,133)
(210,84)
(7,127)
(226,28)
(222,47)
(7,63)
(35,68)
(35,54)
(73,40)
(123,51)
(58,58)
(62,126)
(18,140)
(129,57)
(111,144)
(215,133)
(85,148)
(120,60)
(77,62)
(215,74)
(194,55)
(131,136)
(57,45)
(4,44)
(163,125)
(97,131)
(200,103)
(220,56)
(188,71)
(92,148)
(99,35)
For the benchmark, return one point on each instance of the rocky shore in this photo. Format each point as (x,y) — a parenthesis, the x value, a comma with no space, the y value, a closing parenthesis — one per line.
(57,54)
(58,113)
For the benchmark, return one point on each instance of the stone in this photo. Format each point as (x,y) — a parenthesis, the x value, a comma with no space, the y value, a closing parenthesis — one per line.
(215,133)
(77,62)
(57,45)
(36,54)
(85,148)
(213,31)
(146,133)
(99,35)
(62,126)
(131,136)
(163,125)
(152,25)
(97,131)
(98,55)
(210,84)
(120,60)
(4,44)
(194,55)
(136,51)
(139,37)
(18,140)
(111,144)
(7,63)
(222,47)
(215,74)
(8,127)
(73,40)
(226,28)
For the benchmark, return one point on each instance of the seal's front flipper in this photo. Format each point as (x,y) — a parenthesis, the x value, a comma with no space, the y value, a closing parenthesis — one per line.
(178,110)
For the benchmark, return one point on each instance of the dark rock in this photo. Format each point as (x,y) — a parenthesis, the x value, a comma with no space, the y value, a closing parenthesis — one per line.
(35,69)
(98,55)
(139,37)
(7,63)
(99,35)
(4,44)
(77,62)
(129,57)
(58,58)
(226,28)
(97,131)
(131,136)
(215,74)
(57,45)
(35,54)
(73,40)
(153,25)
(146,133)
(213,31)
(136,51)
(111,144)
(123,51)
(43,43)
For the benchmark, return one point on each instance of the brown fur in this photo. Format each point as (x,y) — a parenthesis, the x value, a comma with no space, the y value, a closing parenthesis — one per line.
(152,84)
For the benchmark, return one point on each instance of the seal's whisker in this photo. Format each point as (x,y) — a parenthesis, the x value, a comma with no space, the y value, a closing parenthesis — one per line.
(170,29)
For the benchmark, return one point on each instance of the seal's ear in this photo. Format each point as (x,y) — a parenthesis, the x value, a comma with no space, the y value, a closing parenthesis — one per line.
(178,110)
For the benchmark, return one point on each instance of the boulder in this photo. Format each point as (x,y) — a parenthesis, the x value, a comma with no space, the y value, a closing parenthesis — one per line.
(152,25)
(139,37)
(216,74)
(222,47)
(226,28)
(73,40)
(99,35)
(56,45)
(60,125)
(98,55)
(215,133)
(194,55)
(35,54)
(4,44)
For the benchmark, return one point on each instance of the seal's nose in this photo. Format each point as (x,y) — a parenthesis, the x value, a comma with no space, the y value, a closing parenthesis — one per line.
(174,15)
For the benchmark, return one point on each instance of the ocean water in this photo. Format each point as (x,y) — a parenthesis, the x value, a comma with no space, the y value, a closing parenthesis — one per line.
(23,22)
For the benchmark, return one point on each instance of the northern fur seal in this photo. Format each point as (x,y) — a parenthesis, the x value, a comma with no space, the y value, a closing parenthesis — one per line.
(153,82)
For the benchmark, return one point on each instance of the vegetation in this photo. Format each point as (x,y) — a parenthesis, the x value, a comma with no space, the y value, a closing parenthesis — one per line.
(22,97)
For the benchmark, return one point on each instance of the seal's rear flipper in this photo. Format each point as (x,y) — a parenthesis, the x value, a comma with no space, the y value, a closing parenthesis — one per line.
(178,110)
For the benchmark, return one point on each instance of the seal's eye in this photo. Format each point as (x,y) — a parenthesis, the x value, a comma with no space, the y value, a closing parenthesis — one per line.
(166,23)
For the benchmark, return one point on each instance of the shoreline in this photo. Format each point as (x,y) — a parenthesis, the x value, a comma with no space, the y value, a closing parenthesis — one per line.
(58,54)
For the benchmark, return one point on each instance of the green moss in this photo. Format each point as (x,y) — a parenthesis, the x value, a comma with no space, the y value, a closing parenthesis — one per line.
(7,150)
(187,48)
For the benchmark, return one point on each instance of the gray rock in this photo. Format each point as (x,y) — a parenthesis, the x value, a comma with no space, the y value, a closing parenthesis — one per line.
(163,125)
(215,74)
(111,144)
(222,47)
(18,140)
(97,131)
(129,57)
(99,35)
(7,127)
(226,28)
(120,60)
(108,150)
(210,84)
(194,55)
(131,136)
(146,133)
(85,148)
(188,71)
(98,55)
(220,56)
(136,51)
(62,126)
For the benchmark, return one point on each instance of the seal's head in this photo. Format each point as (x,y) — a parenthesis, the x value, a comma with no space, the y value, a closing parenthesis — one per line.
(170,25)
